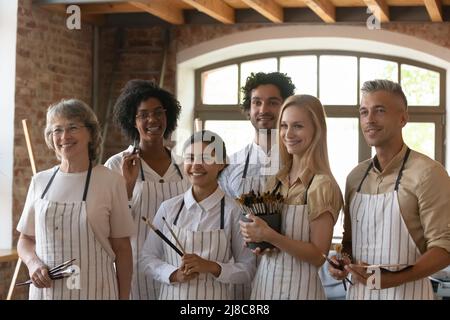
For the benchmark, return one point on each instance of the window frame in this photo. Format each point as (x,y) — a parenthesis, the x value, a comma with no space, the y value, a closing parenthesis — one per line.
(435,114)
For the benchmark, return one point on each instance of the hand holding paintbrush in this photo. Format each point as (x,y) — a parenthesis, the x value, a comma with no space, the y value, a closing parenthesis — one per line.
(337,265)
(162,236)
(63,270)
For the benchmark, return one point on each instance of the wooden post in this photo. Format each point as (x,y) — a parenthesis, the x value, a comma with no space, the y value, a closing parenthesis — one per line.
(33,168)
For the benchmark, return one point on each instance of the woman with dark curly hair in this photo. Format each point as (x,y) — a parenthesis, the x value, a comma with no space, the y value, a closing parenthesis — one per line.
(147,115)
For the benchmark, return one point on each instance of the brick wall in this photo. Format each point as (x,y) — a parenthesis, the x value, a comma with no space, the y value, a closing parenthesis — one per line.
(52,63)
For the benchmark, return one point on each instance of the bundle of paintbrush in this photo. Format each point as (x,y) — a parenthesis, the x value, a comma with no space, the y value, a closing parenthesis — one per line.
(261,204)
(63,270)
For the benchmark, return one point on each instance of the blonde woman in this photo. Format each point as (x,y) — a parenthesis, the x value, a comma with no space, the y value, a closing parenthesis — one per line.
(312,204)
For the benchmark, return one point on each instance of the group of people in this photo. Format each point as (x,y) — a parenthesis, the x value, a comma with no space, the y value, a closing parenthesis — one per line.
(395,208)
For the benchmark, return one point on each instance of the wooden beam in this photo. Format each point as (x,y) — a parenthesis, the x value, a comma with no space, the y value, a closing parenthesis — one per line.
(267,8)
(379,8)
(217,9)
(108,8)
(98,20)
(434,8)
(160,9)
(323,8)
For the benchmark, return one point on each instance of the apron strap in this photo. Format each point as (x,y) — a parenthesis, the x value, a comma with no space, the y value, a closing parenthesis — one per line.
(222,213)
(365,175)
(49,183)
(307,188)
(86,185)
(178,214)
(171,160)
(400,173)
(276,187)
(178,170)
(247,160)
(88,179)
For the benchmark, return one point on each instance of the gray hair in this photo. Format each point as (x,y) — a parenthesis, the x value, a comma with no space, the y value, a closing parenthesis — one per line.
(384,85)
(74,109)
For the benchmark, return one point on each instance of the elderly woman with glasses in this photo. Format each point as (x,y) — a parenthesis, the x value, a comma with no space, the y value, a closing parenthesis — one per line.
(147,115)
(76,210)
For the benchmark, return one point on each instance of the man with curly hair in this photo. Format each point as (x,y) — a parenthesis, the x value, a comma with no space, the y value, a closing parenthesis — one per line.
(147,115)
(264,93)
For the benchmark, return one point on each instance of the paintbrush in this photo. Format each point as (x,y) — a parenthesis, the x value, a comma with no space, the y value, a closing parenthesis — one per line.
(339,267)
(63,270)
(162,236)
(173,235)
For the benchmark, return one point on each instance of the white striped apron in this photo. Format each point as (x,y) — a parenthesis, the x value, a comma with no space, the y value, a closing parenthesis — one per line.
(380,236)
(281,276)
(145,204)
(63,233)
(211,245)
(255,183)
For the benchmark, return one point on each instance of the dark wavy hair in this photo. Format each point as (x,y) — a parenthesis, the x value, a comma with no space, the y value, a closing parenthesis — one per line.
(281,80)
(131,96)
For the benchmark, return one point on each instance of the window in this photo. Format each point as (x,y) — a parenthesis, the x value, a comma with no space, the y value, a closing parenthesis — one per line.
(335,77)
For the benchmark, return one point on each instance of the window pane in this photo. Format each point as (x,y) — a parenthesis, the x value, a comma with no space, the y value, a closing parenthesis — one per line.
(219,86)
(235,133)
(342,130)
(421,86)
(338,80)
(255,66)
(303,72)
(419,136)
(371,69)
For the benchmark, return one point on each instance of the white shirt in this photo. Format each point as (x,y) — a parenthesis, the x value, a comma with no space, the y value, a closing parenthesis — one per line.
(106,202)
(171,175)
(260,164)
(202,216)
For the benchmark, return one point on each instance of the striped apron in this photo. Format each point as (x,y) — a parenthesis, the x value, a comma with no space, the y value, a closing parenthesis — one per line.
(211,245)
(380,236)
(281,276)
(145,204)
(63,233)
(255,183)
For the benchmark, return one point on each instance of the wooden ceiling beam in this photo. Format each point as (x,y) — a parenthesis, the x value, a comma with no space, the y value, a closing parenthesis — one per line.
(379,8)
(108,8)
(161,10)
(216,9)
(267,8)
(434,8)
(323,8)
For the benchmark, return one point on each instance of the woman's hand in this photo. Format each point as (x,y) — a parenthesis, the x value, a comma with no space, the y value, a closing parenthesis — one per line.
(130,170)
(336,273)
(268,251)
(192,263)
(255,231)
(39,274)
(179,275)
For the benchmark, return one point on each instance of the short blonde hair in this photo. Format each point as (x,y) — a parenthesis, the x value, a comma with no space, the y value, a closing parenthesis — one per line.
(74,109)
(316,156)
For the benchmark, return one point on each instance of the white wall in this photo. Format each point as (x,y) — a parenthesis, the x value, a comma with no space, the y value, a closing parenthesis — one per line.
(8,29)
(304,37)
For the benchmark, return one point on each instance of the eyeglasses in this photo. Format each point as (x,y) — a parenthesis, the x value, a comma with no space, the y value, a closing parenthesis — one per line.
(72,129)
(158,114)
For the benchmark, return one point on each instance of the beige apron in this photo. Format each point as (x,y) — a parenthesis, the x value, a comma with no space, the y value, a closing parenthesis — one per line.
(281,276)
(380,236)
(146,204)
(63,233)
(211,245)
